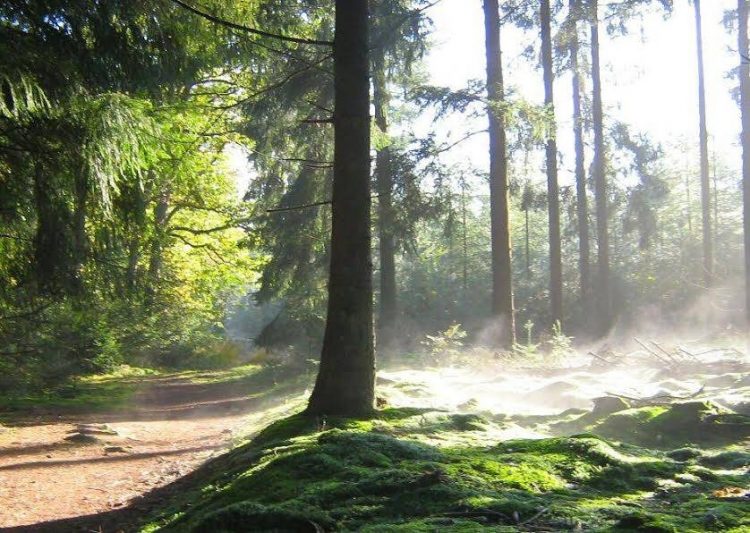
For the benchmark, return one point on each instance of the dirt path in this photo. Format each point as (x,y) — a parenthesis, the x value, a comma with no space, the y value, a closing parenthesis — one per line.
(172,427)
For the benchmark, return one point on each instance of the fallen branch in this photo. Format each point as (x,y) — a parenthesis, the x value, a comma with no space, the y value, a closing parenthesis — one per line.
(651,351)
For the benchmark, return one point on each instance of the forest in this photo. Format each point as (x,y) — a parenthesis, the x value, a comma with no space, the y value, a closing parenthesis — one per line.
(374,265)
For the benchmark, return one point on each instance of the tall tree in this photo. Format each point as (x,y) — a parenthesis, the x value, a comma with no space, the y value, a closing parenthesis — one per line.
(582,209)
(744,73)
(384,183)
(346,380)
(502,283)
(604,290)
(703,140)
(553,190)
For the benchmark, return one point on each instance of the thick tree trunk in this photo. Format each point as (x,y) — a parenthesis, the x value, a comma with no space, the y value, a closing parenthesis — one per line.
(346,380)
(708,261)
(51,259)
(384,180)
(745,109)
(582,208)
(604,291)
(553,190)
(502,287)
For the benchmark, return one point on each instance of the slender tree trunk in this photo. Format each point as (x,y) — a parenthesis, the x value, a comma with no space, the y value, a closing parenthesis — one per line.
(716,201)
(745,107)
(161,210)
(527,247)
(708,262)
(502,287)
(346,380)
(604,291)
(582,208)
(553,190)
(384,181)
(464,241)
(80,242)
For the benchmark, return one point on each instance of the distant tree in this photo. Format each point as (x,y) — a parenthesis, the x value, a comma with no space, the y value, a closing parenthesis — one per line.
(708,261)
(346,380)
(553,189)
(502,284)
(582,210)
(744,73)
(603,285)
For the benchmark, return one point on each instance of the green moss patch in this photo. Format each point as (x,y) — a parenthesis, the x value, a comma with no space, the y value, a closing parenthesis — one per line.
(422,470)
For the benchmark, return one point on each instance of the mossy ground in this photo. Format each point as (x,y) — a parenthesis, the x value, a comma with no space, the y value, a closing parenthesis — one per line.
(424,470)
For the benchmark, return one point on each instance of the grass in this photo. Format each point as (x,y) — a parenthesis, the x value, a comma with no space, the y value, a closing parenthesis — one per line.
(421,470)
(114,390)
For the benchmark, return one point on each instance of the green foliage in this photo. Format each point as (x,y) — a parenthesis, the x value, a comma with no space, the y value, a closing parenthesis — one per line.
(447,344)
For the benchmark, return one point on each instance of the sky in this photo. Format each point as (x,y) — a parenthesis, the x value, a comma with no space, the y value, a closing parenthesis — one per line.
(649,81)
(649,76)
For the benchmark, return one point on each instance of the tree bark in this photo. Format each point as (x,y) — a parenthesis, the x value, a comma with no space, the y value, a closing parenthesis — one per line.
(604,291)
(708,261)
(161,210)
(502,288)
(745,110)
(384,182)
(80,241)
(582,209)
(345,385)
(553,190)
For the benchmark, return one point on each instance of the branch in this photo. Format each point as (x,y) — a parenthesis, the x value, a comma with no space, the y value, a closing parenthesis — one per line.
(247,29)
(276,85)
(14,237)
(296,207)
(194,231)
(317,121)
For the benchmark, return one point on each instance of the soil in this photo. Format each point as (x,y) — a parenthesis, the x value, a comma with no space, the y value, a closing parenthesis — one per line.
(51,482)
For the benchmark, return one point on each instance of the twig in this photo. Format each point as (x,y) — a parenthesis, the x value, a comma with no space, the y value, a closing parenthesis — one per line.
(537,515)
(651,351)
(600,358)
(664,351)
(686,352)
(477,513)
(296,207)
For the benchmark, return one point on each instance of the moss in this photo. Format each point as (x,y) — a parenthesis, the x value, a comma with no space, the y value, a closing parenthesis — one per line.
(425,470)
(728,459)
(678,424)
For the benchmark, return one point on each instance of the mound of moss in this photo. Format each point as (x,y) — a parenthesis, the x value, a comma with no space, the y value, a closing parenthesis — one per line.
(678,424)
(420,470)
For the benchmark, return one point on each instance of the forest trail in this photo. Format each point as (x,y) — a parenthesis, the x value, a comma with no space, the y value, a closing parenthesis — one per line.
(170,426)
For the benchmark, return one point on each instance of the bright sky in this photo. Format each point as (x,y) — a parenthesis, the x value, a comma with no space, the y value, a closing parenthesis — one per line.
(649,80)
(649,76)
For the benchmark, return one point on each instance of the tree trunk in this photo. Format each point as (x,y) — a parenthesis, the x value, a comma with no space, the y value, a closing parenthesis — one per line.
(604,291)
(582,209)
(345,385)
(384,181)
(708,262)
(502,288)
(80,242)
(745,107)
(553,190)
(161,210)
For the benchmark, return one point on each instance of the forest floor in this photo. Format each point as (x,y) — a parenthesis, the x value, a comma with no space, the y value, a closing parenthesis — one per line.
(653,441)
(65,461)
